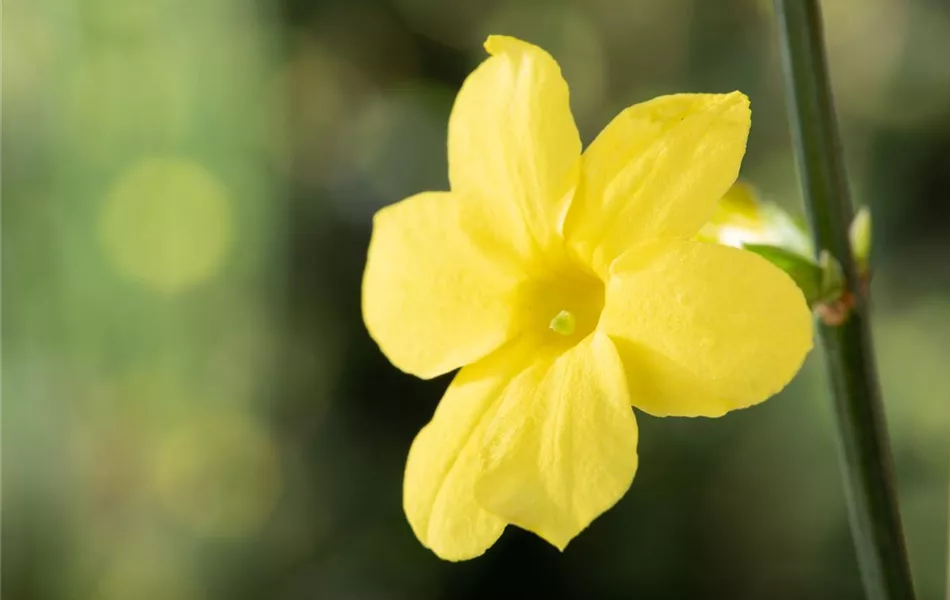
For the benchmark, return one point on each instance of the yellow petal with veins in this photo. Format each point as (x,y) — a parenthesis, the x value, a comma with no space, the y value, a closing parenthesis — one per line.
(562,448)
(512,139)
(704,329)
(656,172)
(444,461)
(439,287)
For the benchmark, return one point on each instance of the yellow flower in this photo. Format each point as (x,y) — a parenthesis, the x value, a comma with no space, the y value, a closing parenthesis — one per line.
(568,288)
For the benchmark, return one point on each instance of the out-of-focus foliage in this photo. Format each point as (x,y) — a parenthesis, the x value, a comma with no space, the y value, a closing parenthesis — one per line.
(192,406)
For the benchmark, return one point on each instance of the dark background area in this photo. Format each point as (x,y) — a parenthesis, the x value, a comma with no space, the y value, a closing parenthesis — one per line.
(192,406)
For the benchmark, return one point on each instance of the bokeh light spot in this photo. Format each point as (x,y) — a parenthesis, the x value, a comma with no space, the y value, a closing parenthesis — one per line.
(167,223)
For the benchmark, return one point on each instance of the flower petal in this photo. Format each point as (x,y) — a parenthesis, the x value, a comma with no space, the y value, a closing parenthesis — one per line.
(512,139)
(443,463)
(656,172)
(562,448)
(704,329)
(439,286)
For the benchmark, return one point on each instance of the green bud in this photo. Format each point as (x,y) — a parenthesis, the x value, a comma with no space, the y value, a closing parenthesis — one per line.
(832,277)
(860,235)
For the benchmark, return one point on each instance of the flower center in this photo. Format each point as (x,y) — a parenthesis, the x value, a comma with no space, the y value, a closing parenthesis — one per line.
(564,323)
(565,307)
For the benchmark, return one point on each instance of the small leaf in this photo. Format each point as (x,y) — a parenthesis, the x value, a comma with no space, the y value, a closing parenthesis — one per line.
(802,270)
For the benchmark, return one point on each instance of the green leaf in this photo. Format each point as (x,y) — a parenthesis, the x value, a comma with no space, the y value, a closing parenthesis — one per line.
(801,269)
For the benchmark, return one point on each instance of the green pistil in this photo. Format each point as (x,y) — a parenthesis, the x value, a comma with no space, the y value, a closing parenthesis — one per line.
(564,323)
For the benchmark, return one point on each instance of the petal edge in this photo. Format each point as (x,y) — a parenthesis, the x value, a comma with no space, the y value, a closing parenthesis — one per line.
(705,329)
(438,288)
(655,172)
(562,448)
(443,465)
(512,138)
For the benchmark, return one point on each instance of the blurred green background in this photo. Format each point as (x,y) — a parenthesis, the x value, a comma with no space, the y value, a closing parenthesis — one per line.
(192,407)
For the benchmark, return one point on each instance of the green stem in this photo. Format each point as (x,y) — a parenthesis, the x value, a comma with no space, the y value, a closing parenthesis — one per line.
(862,433)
